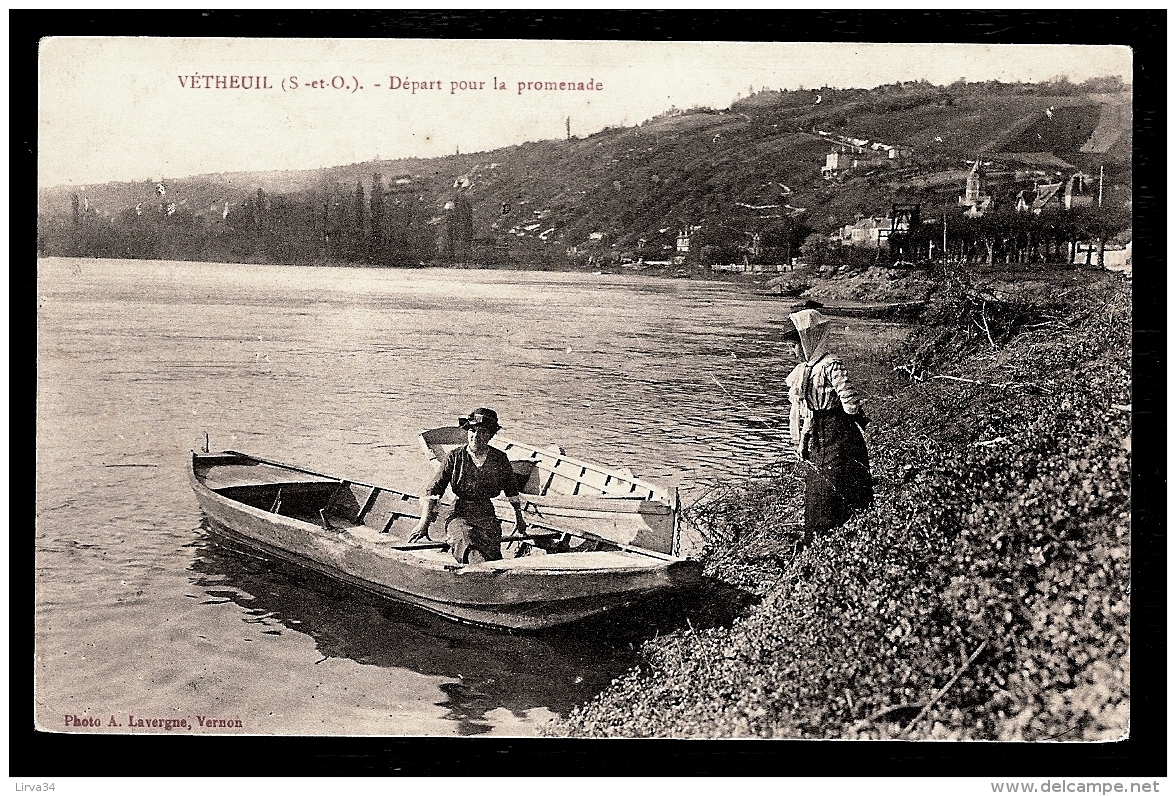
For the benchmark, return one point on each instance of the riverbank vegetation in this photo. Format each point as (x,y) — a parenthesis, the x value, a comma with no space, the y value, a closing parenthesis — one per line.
(985,595)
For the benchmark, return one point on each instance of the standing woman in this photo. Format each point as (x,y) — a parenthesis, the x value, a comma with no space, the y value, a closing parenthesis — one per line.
(826,424)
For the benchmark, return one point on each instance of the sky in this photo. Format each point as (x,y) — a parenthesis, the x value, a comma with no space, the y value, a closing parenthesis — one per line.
(124,109)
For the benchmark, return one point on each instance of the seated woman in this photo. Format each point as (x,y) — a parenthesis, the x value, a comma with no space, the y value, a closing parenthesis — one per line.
(476,473)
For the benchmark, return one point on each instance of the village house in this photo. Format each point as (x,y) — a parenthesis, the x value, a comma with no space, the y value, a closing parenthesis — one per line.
(846,158)
(1078,191)
(1038,198)
(683,243)
(1115,256)
(1055,195)
(853,153)
(867,233)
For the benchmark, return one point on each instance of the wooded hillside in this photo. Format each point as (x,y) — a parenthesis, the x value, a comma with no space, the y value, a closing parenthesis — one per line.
(754,169)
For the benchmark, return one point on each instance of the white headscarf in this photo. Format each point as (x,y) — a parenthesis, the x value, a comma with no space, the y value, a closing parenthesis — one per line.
(814,333)
(814,341)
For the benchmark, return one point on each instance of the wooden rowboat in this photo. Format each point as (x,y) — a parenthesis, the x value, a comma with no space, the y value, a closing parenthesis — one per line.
(894,310)
(608,502)
(880,311)
(358,533)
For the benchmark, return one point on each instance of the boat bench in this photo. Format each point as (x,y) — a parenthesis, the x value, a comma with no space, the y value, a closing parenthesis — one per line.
(526,476)
(353,505)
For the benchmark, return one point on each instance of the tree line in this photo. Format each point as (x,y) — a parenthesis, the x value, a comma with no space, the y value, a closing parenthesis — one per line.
(1002,235)
(378,225)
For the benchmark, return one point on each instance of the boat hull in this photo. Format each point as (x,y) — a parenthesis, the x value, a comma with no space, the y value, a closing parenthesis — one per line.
(898,310)
(524,594)
(891,311)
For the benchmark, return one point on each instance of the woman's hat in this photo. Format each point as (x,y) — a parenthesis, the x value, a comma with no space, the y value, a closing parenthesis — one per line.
(792,334)
(480,418)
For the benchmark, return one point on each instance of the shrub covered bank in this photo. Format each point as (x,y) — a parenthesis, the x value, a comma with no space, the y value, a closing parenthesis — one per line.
(986,595)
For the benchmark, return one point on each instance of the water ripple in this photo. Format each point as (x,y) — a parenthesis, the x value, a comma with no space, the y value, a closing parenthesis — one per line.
(339,369)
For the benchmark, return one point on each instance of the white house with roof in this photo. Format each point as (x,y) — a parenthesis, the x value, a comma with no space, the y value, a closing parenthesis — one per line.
(866,233)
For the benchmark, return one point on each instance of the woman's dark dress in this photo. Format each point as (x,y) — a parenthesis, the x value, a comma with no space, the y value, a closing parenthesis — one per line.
(473,530)
(838,483)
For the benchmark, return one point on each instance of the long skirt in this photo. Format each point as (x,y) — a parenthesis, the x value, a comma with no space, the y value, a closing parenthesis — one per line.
(838,482)
(474,538)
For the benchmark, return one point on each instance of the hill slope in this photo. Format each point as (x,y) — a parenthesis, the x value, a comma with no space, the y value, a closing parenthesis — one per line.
(753,168)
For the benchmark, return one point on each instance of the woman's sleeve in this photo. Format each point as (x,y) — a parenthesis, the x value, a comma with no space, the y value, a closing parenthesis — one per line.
(507,477)
(794,430)
(441,478)
(839,378)
(790,380)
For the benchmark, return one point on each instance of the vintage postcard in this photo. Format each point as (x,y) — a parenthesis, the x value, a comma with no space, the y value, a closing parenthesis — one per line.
(531,388)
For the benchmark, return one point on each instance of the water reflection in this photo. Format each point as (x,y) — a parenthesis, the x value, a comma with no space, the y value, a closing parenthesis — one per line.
(489,670)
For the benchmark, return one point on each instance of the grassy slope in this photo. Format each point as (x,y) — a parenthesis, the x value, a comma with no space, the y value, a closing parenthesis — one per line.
(1001,526)
(694,168)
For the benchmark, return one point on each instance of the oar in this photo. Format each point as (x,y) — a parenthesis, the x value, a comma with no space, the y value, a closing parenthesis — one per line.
(592,537)
(445,545)
(551,530)
(421,546)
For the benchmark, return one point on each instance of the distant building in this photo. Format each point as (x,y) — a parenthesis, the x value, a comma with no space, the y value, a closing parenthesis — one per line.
(850,157)
(851,153)
(976,198)
(834,162)
(1024,175)
(1067,193)
(212,217)
(975,189)
(1077,191)
(1047,196)
(866,233)
(683,243)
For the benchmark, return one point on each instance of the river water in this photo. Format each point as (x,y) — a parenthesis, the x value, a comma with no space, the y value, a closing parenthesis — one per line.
(139,613)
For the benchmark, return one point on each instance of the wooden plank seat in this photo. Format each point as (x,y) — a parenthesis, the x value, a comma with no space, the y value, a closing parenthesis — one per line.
(359,505)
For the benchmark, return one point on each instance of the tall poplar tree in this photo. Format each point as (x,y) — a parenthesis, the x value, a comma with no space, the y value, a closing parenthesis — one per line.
(359,240)
(377,241)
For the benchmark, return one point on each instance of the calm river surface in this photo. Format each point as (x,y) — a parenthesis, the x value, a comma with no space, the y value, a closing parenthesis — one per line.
(139,613)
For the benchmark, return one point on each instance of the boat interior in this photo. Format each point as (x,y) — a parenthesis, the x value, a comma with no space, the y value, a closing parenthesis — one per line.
(375,513)
(548,472)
